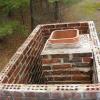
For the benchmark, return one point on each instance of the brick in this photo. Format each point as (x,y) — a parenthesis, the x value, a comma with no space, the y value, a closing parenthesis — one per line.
(62,66)
(53,60)
(60,56)
(16,71)
(84,24)
(61,25)
(46,73)
(43,96)
(76,96)
(73,24)
(33,69)
(82,55)
(46,68)
(55,96)
(49,26)
(17,94)
(87,59)
(78,64)
(90,96)
(16,79)
(80,78)
(84,31)
(75,59)
(62,78)
(49,78)
(83,28)
(11,79)
(81,72)
(11,71)
(5,80)
(60,72)
(67,96)
(44,56)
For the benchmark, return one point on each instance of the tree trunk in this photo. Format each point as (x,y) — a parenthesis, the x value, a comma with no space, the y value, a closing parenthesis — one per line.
(56,10)
(22,17)
(9,14)
(31,14)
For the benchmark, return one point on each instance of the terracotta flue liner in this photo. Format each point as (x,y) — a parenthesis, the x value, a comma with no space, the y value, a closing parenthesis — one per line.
(69,36)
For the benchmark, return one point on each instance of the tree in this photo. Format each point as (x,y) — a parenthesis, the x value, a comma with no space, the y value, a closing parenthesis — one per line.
(56,8)
(31,14)
(57,4)
(7,24)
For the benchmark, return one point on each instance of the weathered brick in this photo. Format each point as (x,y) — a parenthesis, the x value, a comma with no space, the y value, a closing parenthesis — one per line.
(62,78)
(49,78)
(53,60)
(72,25)
(87,59)
(74,59)
(5,80)
(61,72)
(11,79)
(46,72)
(34,72)
(81,72)
(84,24)
(78,64)
(46,68)
(82,55)
(90,96)
(76,96)
(44,56)
(80,78)
(61,66)
(67,96)
(60,56)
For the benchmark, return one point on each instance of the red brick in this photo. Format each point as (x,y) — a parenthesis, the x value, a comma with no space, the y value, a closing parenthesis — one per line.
(67,95)
(16,71)
(11,71)
(46,68)
(80,78)
(60,56)
(16,79)
(62,78)
(84,24)
(5,80)
(81,72)
(60,72)
(11,79)
(46,73)
(87,59)
(62,66)
(54,60)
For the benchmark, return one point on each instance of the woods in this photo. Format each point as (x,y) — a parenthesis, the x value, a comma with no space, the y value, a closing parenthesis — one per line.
(13,19)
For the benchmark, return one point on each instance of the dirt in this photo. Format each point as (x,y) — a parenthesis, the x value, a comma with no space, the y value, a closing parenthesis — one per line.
(8,47)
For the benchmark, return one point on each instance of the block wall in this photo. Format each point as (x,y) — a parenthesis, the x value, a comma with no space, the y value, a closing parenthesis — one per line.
(83,28)
(46,92)
(50,92)
(25,65)
(60,68)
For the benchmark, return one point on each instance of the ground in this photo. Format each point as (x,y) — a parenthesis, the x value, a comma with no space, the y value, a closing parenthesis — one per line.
(9,47)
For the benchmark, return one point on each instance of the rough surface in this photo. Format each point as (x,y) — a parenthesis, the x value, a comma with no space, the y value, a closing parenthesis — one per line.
(68,65)
(84,46)
(11,91)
